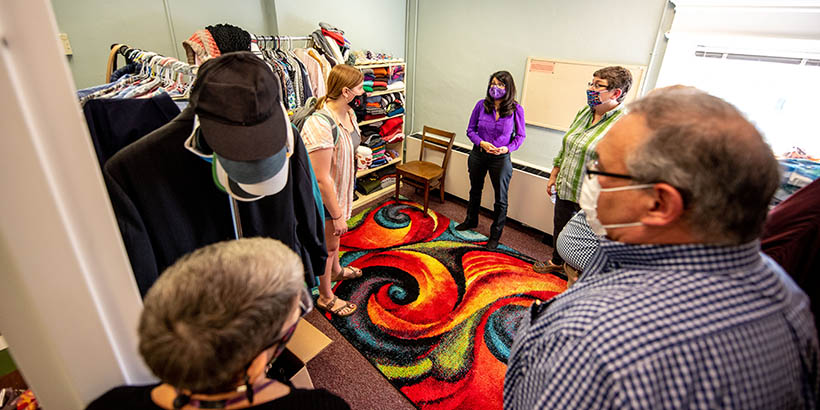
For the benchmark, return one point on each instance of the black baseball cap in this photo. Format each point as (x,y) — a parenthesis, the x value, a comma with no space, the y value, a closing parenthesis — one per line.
(237,100)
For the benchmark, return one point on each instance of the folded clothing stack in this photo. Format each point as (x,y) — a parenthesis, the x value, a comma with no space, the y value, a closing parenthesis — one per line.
(394,108)
(379,148)
(334,33)
(368,74)
(374,107)
(391,127)
(370,132)
(368,184)
(392,139)
(393,104)
(386,176)
(396,74)
(381,73)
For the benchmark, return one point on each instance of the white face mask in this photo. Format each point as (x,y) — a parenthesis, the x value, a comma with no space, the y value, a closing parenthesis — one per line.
(590,190)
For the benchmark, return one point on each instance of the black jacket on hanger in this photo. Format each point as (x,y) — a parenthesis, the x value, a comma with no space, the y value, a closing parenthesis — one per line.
(115,123)
(167,204)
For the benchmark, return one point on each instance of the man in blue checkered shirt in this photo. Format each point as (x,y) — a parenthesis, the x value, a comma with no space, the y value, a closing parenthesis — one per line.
(677,308)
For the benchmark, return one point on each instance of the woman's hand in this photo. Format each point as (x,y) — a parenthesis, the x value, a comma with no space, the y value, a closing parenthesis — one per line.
(501,150)
(487,147)
(551,183)
(339,226)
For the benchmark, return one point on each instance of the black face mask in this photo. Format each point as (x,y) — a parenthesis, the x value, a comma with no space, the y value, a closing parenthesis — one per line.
(357,103)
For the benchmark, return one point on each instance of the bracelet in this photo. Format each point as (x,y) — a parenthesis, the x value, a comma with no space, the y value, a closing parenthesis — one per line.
(332,218)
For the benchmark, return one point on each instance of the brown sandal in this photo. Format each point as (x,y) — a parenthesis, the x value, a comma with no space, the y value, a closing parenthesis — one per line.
(347,272)
(329,307)
(546,267)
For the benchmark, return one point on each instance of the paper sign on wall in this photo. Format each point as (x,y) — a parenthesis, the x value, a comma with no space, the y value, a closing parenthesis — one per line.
(547,67)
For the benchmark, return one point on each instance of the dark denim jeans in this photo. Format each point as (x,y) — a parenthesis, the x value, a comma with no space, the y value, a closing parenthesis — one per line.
(500,168)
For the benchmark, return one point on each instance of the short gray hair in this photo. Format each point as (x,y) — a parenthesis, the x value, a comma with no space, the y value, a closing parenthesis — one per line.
(214,310)
(718,161)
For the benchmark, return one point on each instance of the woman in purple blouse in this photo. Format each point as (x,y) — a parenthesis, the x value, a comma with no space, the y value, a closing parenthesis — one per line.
(496,128)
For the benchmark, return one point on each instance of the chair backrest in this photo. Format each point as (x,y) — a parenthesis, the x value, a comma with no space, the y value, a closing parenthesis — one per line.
(442,142)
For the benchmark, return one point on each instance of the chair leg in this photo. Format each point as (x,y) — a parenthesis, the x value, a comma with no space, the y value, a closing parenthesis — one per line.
(441,191)
(426,195)
(398,185)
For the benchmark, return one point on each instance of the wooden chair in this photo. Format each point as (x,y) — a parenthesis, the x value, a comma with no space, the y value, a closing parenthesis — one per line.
(423,174)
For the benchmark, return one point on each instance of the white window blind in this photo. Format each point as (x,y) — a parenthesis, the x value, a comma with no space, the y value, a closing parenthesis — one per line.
(762,56)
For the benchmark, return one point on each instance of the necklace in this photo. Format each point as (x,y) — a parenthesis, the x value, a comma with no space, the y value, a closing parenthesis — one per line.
(221,404)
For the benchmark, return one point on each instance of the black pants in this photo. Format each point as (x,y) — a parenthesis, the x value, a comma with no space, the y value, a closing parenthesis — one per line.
(500,167)
(564,211)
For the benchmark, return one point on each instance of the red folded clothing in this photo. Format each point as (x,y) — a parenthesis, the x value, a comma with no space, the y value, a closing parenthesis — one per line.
(369,117)
(391,126)
(340,40)
(379,84)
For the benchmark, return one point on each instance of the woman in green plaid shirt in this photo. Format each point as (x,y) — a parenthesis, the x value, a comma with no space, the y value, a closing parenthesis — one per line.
(605,94)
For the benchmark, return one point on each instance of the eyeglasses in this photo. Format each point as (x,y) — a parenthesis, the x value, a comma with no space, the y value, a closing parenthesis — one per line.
(597,86)
(305,306)
(592,169)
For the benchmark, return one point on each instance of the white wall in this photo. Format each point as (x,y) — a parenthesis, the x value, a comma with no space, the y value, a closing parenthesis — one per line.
(459,43)
(377,25)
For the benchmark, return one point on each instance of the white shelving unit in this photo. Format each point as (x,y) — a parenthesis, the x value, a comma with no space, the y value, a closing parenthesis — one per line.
(398,146)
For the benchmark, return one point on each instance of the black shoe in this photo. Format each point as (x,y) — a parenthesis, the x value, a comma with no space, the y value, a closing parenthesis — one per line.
(465,226)
(492,243)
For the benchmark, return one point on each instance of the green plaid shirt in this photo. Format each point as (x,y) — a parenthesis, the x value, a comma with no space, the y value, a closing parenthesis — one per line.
(579,142)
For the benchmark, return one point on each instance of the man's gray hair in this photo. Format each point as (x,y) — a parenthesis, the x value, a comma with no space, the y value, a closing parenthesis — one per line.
(718,161)
(214,310)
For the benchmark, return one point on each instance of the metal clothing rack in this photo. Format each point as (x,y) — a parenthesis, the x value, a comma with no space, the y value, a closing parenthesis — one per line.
(292,38)
(237,222)
(160,61)
(277,41)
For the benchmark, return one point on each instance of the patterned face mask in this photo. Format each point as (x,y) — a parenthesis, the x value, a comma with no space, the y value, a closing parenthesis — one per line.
(593,98)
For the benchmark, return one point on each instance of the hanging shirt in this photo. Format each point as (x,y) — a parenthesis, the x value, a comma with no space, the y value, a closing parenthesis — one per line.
(314,69)
(484,127)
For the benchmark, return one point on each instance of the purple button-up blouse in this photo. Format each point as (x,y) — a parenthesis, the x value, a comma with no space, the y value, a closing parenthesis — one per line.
(484,127)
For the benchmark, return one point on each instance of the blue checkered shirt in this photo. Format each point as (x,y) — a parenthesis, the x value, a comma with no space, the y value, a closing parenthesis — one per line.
(669,326)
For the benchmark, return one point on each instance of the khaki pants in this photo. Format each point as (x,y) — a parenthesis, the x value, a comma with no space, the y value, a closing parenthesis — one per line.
(572,274)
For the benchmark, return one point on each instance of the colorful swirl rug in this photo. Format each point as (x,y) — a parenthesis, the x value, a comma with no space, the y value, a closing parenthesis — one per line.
(437,311)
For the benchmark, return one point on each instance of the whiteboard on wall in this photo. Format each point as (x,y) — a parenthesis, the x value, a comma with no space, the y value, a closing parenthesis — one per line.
(554,90)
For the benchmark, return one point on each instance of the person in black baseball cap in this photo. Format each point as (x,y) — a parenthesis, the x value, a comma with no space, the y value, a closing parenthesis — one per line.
(240,116)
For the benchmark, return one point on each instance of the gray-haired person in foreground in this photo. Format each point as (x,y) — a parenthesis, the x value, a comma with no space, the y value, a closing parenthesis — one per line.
(678,308)
(212,324)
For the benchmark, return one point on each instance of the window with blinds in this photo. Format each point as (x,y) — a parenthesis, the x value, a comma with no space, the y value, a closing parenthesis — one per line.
(762,56)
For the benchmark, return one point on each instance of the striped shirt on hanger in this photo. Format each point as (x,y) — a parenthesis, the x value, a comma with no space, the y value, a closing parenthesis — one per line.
(579,142)
(669,327)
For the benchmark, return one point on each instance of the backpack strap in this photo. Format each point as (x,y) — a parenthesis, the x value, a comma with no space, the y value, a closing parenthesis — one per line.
(334,127)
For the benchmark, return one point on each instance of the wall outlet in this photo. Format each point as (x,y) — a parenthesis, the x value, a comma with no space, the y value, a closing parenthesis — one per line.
(66,44)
